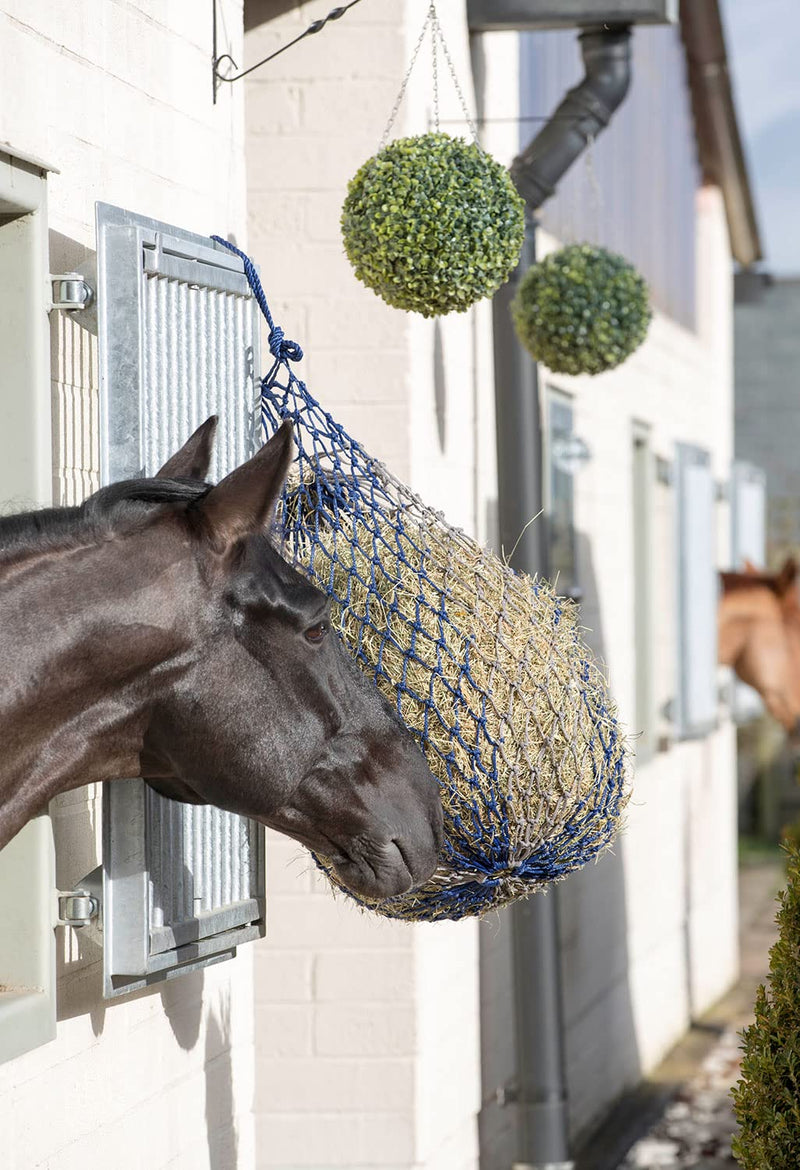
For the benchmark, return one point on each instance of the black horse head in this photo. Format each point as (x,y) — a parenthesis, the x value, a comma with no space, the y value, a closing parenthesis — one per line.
(156,631)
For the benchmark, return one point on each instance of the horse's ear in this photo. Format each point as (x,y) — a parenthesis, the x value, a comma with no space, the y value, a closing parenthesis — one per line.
(787,576)
(749,568)
(242,503)
(194,457)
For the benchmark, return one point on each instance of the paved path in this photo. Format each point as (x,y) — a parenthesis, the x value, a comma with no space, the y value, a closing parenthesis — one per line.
(695,1126)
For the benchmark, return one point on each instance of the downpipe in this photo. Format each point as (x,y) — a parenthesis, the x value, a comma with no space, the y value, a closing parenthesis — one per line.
(583,114)
(541,1090)
(540,1093)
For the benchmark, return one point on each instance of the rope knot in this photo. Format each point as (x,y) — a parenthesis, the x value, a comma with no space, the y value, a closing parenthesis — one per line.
(281,349)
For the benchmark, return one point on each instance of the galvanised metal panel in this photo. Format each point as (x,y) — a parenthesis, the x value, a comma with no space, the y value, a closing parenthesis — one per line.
(634,190)
(178,340)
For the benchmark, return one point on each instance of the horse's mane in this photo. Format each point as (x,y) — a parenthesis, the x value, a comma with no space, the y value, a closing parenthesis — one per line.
(737,582)
(104,511)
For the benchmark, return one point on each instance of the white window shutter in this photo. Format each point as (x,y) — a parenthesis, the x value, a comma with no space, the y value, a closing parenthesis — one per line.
(748,543)
(696,706)
(178,340)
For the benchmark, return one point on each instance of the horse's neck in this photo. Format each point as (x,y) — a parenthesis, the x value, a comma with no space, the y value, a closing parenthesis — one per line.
(86,639)
(737,617)
(733,633)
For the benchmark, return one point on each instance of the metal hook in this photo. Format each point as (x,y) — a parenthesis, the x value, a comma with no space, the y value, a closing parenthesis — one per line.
(217,59)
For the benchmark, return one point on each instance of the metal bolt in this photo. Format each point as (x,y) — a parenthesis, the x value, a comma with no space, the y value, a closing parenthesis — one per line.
(77,908)
(71,292)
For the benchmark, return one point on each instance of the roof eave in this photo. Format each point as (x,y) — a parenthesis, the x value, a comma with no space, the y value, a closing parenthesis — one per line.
(719,142)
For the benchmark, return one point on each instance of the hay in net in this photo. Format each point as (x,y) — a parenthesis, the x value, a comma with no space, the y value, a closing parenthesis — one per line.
(485,667)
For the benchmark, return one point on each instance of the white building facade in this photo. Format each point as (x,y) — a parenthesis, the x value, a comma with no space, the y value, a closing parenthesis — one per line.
(342,1040)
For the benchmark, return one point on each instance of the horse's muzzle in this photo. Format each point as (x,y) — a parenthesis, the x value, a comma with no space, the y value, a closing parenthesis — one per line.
(389,868)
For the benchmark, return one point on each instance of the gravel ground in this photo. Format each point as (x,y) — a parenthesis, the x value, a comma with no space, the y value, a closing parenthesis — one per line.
(695,1128)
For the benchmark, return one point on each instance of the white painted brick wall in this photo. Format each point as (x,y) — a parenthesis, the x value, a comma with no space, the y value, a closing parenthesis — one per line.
(366,1032)
(676,947)
(117,96)
(374,1088)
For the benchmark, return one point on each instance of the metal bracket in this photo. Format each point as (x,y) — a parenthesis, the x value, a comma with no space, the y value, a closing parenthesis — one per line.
(83,905)
(665,472)
(507,1094)
(71,292)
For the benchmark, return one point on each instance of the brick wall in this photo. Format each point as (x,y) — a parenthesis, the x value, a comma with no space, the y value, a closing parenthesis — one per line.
(366,1031)
(767,410)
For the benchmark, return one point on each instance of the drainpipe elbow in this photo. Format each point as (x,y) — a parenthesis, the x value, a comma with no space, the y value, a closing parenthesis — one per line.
(585,111)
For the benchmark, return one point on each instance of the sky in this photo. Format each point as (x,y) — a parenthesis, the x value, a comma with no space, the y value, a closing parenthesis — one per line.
(763,42)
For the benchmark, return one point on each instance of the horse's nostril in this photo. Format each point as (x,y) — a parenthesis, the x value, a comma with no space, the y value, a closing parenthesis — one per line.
(403,855)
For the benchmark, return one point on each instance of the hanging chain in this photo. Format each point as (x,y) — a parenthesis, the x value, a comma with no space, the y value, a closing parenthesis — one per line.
(437,38)
(404,84)
(434,40)
(596,196)
(437,33)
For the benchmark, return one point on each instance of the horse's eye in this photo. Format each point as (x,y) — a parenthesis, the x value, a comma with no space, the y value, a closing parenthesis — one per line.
(315,634)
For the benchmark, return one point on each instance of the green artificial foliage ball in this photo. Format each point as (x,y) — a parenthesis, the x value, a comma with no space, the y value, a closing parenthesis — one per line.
(581,310)
(432,224)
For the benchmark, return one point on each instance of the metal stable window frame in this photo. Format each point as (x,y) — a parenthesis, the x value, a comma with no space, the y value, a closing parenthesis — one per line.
(696,706)
(178,339)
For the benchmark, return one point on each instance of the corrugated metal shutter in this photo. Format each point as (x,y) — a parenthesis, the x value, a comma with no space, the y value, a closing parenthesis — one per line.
(178,340)
(748,543)
(696,706)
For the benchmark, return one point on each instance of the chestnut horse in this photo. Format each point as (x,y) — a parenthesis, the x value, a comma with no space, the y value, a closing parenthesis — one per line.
(155,631)
(759,636)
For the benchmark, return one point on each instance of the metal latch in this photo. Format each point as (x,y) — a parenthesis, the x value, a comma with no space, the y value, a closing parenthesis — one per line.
(81,906)
(71,291)
(76,908)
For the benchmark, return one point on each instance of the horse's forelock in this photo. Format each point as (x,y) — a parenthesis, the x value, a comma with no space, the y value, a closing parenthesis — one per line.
(106,501)
(118,503)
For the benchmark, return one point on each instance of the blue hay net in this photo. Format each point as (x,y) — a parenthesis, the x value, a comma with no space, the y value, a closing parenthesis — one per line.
(362,536)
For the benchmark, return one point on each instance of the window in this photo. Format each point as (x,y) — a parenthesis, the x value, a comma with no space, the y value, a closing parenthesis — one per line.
(561,448)
(27,871)
(178,339)
(696,694)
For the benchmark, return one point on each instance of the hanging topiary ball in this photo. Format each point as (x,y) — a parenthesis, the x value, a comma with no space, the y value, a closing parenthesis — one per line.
(581,310)
(432,224)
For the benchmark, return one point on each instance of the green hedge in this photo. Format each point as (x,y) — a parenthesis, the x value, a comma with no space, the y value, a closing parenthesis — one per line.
(581,310)
(432,224)
(767,1098)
